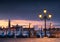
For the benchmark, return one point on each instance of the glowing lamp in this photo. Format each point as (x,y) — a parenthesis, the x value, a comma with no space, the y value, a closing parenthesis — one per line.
(45,11)
(40,16)
(49,15)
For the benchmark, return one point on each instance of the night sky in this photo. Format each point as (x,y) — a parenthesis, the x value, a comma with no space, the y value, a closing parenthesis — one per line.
(29,9)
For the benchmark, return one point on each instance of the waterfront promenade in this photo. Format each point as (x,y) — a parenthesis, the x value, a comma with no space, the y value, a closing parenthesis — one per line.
(29,39)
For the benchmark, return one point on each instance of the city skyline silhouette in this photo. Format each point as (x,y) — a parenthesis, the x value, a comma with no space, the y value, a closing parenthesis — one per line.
(25,23)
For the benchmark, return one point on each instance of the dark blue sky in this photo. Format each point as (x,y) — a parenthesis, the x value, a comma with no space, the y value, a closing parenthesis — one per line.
(29,9)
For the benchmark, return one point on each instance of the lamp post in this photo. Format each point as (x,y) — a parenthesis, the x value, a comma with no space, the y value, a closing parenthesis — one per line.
(29,30)
(45,17)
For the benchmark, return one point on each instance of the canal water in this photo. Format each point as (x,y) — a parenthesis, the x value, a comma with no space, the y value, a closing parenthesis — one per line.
(29,39)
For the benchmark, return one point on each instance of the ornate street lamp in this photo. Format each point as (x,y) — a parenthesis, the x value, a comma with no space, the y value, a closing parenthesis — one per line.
(45,11)
(45,17)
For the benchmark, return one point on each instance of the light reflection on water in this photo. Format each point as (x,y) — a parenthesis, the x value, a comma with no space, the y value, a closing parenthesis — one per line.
(29,39)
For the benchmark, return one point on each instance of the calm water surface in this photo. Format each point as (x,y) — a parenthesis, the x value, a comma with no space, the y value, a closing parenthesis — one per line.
(29,39)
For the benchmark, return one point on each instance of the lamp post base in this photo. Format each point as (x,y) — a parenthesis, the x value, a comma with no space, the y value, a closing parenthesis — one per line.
(45,37)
